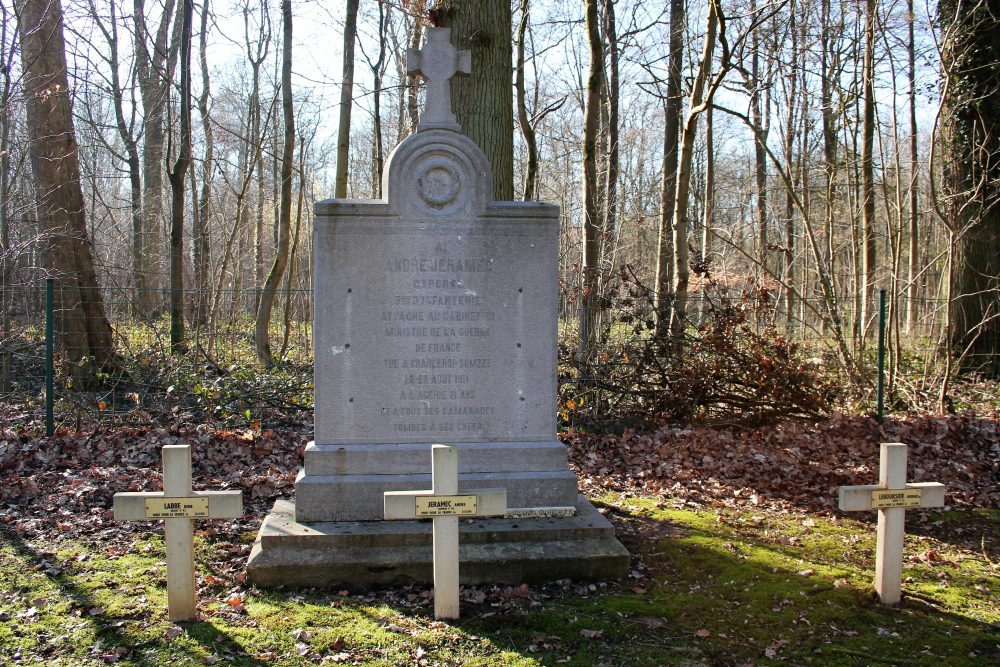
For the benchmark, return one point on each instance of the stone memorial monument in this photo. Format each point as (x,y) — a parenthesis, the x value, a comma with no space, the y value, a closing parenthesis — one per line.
(435,323)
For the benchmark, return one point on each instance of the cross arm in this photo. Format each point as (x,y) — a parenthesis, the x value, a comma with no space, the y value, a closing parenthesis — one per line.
(859,498)
(131,506)
(402,504)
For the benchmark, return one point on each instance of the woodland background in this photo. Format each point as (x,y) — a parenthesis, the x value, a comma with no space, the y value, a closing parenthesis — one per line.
(737,183)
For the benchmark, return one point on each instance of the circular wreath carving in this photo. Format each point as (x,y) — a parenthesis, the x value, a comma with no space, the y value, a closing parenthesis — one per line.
(439,182)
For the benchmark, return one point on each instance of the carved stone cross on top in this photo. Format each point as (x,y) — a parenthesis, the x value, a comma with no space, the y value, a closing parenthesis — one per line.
(437,62)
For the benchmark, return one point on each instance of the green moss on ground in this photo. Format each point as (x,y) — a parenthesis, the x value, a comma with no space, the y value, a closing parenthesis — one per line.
(729,587)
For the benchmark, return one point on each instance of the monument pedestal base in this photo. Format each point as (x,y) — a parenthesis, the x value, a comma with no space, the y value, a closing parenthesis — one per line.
(357,555)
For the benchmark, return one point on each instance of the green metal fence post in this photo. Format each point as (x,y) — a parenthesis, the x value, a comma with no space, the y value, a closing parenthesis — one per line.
(50,371)
(880,409)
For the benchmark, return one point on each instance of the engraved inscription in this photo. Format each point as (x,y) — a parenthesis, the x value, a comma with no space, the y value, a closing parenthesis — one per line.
(438,321)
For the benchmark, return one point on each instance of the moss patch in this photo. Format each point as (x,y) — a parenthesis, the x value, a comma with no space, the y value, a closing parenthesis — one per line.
(708,587)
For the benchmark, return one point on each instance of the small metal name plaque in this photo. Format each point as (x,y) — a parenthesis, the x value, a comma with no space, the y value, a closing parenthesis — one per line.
(887,498)
(445,505)
(174,508)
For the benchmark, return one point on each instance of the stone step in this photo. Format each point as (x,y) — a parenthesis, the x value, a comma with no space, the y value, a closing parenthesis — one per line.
(411,458)
(359,555)
(359,497)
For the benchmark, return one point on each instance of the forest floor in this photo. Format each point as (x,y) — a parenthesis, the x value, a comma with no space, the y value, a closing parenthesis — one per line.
(739,557)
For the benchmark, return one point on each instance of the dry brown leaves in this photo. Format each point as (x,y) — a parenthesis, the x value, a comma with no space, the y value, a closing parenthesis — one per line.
(63,485)
(792,464)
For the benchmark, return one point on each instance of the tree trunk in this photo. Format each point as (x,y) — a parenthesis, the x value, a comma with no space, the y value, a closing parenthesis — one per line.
(613,122)
(868,169)
(788,274)
(131,146)
(413,82)
(482,101)
(591,212)
(708,210)
(289,281)
(523,121)
(378,72)
(285,214)
(84,331)
(827,73)
(346,99)
(200,240)
(913,254)
(155,71)
(971,56)
(176,177)
(7,50)
(678,318)
(257,44)
(761,124)
(668,186)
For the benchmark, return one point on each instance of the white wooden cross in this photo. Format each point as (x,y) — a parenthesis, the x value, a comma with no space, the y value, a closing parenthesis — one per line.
(891,497)
(177,505)
(444,505)
(437,62)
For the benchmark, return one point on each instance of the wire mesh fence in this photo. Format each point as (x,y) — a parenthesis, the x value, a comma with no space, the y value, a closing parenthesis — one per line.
(218,378)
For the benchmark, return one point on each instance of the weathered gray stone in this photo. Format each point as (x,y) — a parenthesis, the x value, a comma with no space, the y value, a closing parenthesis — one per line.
(359,497)
(437,325)
(359,555)
(435,322)
(411,458)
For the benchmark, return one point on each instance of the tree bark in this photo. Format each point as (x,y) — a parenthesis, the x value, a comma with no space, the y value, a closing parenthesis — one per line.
(346,99)
(668,186)
(290,280)
(131,145)
(788,273)
(592,216)
(523,121)
(155,72)
(7,49)
(378,72)
(413,82)
(912,268)
(483,102)
(971,56)
(708,210)
(613,122)
(176,177)
(83,328)
(201,240)
(257,44)
(868,169)
(760,114)
(678,318)
(828,70)
(285,214)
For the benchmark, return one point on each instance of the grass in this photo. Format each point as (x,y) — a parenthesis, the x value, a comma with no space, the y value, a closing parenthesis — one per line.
(708,587)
